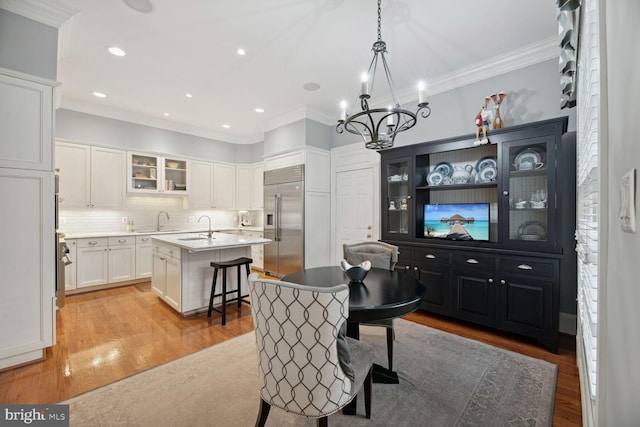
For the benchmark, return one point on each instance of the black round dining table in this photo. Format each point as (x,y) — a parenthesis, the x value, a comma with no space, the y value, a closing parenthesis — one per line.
(383,294)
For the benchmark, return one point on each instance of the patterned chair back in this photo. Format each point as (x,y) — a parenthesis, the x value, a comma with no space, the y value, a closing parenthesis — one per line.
(296,330)
(380,254)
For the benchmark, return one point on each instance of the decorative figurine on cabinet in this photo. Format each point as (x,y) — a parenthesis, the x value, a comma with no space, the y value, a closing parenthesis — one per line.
(497,100)
(483,119)
(403,205)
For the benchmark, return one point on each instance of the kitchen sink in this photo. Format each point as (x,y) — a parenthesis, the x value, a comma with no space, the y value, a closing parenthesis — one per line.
(197,238)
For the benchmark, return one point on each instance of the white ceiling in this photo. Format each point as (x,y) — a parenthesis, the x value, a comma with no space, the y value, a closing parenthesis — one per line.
(189,46)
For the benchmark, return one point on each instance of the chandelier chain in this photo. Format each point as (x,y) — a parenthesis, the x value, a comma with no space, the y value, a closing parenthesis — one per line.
(379,21)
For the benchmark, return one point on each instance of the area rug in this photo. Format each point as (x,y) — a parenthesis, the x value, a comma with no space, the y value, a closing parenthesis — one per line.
(445,380)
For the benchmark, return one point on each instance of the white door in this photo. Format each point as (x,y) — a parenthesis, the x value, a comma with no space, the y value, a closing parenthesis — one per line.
(355,207)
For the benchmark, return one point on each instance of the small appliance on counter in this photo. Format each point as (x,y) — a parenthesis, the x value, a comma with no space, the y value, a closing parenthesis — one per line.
(244,219)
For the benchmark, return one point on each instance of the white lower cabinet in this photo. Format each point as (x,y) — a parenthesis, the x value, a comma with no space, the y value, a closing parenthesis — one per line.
(93,262)
(105,260)
(122,258)
(166,279)
(144,250)
(70,281)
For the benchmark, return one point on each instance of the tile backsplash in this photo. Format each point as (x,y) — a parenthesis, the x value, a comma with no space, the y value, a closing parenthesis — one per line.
(143,211)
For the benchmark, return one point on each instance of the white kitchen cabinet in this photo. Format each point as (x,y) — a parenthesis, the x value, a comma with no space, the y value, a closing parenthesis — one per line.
(144,250)
(250,186)
(224,186)
(166,279)
(26,122)
(27,263)
(93,262)
(257,251)
(156,174)
(122,258)
(70,281)
(90,176)
(258,186)
(244,187)
(201,194)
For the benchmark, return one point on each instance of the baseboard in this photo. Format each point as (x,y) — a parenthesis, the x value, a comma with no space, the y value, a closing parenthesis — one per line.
(568,323)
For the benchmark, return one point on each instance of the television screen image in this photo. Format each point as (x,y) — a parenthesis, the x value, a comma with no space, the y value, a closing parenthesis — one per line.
(457,221)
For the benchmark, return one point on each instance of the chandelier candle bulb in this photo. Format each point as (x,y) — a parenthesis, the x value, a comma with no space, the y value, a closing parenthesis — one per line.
(365,85)
(343,111)
(422,93)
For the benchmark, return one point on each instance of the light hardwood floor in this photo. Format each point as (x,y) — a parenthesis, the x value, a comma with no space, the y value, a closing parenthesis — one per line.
(107,335)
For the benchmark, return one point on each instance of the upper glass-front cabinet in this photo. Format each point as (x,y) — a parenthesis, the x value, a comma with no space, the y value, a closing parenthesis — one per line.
(152,174)
(397,194)
(529,192)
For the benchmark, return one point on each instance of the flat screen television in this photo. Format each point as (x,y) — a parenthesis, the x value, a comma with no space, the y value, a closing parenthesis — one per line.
(457,221)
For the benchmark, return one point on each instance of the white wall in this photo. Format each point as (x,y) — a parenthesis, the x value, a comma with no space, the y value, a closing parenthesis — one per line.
(619,317)
(533,93)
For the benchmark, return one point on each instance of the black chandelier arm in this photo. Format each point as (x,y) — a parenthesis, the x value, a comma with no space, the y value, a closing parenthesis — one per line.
(340,127)
(424,110)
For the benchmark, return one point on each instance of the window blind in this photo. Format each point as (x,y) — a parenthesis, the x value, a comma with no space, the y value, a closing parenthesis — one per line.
(588,181)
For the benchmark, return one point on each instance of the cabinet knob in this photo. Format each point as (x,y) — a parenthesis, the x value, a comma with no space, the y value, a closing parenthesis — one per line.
(368,236)
(368,227)
(490,280)
(145,239)
(93,242)
(505,193)
(122,241)
(415,268)
(430,256)
(502,282)
(408,197)
(525,267)
(472,261)
(407,267)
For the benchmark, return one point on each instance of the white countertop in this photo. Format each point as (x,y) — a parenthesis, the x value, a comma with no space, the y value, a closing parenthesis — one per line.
(148,232)
(196,242)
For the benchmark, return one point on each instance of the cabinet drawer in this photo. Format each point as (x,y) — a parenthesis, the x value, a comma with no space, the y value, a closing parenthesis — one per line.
(122,240)
(171,251)
(431,256)
(93,242)
(141,240)
(485,263)
(528,266)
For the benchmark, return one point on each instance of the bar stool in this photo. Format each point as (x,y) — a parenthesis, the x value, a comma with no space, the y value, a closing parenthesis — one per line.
(238,262)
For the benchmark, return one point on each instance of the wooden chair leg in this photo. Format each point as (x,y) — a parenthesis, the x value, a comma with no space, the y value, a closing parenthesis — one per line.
(367,393)
(322,422)
(390,347)
(263,413)
(213,290)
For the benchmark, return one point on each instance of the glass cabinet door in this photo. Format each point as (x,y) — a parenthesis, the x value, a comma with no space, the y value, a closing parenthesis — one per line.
(529,191)
(396,215)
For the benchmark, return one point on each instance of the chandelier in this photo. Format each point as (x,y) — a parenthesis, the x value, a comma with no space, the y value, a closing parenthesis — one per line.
(378,127)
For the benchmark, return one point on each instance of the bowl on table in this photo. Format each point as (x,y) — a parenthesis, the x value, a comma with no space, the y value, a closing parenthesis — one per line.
(356,273)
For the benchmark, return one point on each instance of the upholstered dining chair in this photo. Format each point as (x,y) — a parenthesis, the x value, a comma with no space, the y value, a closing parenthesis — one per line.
(306,364)
(381,255)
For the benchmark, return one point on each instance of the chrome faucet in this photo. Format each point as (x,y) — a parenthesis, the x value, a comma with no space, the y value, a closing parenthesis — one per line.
(209,233)
(158,223)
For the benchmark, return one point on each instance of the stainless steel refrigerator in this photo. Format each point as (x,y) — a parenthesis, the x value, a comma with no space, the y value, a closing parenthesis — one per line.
(284,220)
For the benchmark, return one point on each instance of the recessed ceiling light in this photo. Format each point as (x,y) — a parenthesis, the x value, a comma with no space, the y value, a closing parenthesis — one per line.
(188,95)
(226,126)
(259,110)
(311,86)
(99,94)
(142,6)
(165,114)
(116,51)
(241,52)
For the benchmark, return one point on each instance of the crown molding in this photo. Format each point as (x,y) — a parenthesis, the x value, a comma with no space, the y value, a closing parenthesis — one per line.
(48,12)
(145,120)
(498,65)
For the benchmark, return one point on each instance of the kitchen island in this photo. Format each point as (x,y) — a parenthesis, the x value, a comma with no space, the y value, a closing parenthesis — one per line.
(182,274)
